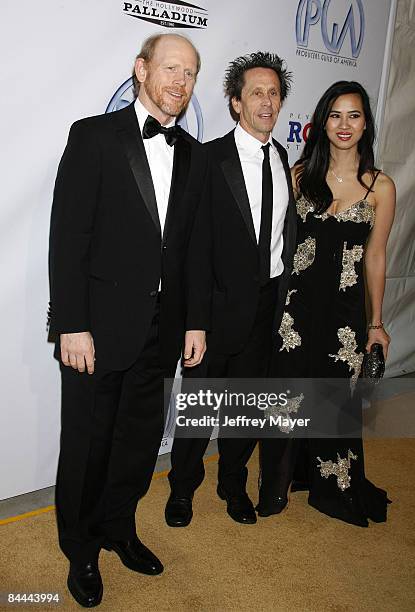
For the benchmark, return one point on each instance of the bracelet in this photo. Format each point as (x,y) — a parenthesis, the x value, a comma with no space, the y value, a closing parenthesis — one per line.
(376,326)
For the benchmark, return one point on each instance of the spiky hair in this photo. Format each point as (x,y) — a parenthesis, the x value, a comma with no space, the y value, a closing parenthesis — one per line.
(235,75)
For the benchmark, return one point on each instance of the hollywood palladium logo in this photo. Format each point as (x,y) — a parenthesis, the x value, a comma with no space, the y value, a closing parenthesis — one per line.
(168,14)
(338,24)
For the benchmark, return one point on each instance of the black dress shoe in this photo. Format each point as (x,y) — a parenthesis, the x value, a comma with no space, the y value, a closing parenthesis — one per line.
(85,584)
(275,506)
(178,511)
(239,507)
(135,556)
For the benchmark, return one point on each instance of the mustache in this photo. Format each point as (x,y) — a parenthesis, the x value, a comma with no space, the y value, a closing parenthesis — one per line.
(176,90)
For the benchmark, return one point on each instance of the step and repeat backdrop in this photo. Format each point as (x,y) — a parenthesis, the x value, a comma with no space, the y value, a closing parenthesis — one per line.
(69,59)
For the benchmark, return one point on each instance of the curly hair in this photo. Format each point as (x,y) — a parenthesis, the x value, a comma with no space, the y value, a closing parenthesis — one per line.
(235,75)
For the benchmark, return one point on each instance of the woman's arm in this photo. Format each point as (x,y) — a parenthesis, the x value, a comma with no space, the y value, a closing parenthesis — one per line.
(375,258)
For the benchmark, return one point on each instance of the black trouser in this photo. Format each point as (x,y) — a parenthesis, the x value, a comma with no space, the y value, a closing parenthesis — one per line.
(188,471)
(112,426)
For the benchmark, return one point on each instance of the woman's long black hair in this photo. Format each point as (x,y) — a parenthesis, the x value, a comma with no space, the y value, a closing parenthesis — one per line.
(315,159)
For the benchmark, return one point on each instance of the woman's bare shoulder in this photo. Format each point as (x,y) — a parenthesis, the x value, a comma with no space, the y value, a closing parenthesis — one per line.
(385,181)
(384,191)
(384,186)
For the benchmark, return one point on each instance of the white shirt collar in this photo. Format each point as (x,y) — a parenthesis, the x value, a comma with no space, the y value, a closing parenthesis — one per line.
(247,142)
(142,114)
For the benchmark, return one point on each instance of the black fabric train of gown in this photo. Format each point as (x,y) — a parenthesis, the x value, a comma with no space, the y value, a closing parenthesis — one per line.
(323,335)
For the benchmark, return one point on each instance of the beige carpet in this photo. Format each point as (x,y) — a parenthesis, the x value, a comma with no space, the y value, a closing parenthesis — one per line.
(300,561)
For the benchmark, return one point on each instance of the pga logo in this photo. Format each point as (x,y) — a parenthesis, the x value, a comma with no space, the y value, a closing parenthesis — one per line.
(335,23)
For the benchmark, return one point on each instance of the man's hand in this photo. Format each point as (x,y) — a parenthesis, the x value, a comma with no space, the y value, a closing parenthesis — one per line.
(77,350)
(194,347)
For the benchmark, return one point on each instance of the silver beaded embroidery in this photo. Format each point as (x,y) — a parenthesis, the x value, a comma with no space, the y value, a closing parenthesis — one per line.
(303,208)
(289,294)
(347,352)
(304,255)
(348,277)
(339,469)
(291,338)
(359,212)
(284,412)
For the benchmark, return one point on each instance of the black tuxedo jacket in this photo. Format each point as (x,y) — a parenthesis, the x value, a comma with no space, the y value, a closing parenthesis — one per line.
(235,255)
(107,253)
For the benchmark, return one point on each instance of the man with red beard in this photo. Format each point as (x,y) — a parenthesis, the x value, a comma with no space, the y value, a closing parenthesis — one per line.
(129,288)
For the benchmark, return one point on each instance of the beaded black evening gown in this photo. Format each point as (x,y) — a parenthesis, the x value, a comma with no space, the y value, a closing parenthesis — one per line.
(323,335)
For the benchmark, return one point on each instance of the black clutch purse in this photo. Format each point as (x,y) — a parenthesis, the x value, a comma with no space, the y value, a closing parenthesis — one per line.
(374,362)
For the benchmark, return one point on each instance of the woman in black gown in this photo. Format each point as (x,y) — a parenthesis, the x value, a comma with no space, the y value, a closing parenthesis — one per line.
(345,211)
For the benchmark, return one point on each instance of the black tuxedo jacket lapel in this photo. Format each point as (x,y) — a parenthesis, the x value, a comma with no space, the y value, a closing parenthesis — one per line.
(290,224)
(180,174)
(232,169)
(286,170)
(132,140)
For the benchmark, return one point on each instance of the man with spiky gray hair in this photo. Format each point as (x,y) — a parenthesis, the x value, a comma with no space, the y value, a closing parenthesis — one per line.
(253,237)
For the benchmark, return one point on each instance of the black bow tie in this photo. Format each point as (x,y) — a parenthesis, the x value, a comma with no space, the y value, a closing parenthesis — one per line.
(152,127)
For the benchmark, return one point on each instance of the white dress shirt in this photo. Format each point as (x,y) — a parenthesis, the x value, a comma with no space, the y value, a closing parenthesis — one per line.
(252,156)
(160,159)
